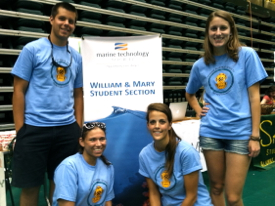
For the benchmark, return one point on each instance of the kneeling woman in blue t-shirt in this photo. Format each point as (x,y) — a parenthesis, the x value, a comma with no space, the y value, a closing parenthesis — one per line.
(86,178)
(171,167)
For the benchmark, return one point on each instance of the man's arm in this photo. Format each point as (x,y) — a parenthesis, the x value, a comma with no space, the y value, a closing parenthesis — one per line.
(18,101)
(78,106)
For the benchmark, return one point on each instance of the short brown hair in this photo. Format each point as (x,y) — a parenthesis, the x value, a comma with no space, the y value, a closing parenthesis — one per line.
(66,6)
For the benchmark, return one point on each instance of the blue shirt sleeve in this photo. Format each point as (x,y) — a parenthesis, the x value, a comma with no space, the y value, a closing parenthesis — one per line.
(194,83)
(25,63)
(66,186)
(190,161)
(254,69)
(142,167)
(79,77)
(111,193)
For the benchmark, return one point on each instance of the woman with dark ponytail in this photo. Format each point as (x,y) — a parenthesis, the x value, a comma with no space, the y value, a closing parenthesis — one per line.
(86,178)
(171,166)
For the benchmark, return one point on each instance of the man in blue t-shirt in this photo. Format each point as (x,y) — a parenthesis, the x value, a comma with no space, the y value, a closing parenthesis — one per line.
(47,105)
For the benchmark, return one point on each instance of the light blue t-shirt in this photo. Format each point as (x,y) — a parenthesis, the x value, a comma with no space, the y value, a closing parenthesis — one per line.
(49,99)
(226,86)
(187,160)
(77,181)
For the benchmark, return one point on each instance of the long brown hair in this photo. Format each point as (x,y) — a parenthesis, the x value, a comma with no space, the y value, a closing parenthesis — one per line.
(170,149)
(84,135)
(233,43)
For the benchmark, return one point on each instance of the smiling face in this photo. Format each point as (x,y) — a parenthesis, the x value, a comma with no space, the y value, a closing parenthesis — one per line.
(159,126)
(219,34)
(63,25)
(93,145)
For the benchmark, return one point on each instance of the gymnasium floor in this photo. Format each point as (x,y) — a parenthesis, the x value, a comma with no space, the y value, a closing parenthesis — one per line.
(259,189)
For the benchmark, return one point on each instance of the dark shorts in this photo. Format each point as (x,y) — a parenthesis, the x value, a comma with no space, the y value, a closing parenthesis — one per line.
(234,146)
(41,149)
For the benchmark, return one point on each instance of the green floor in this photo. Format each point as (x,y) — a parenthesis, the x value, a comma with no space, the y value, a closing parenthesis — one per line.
(259,189)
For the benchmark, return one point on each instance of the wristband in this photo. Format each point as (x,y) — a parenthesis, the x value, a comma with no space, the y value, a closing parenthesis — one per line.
(253,138)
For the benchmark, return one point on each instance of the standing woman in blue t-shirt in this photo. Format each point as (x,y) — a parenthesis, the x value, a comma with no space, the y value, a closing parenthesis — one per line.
(229,132)
(86,178)
(171,167)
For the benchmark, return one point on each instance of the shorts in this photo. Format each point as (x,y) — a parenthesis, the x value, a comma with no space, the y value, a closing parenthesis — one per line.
(41,149)
(234,146)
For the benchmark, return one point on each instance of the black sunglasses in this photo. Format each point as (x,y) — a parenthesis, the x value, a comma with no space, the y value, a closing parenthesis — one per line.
(91,125)
(54,62)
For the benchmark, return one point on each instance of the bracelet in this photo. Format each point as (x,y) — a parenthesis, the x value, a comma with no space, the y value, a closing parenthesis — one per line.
(253,138)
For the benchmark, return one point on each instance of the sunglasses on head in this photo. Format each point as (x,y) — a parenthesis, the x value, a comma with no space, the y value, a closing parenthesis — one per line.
(91,125)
